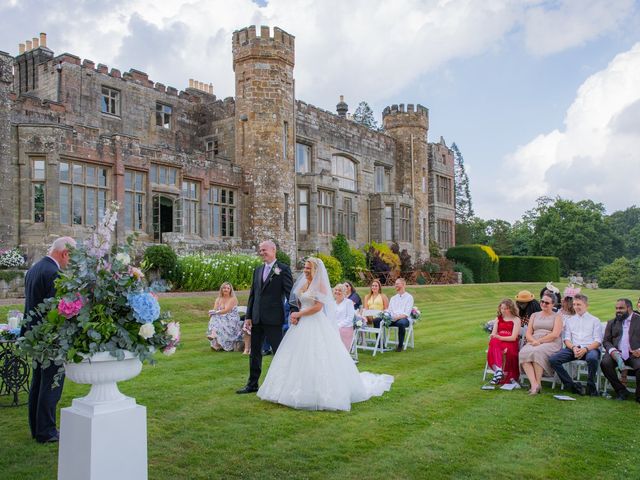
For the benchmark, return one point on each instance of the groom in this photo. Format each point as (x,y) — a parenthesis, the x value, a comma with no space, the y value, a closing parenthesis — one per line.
(271,285)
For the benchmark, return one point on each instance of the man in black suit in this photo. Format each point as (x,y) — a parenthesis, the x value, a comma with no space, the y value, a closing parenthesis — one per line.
(271,285)
(622,347)
(39,285)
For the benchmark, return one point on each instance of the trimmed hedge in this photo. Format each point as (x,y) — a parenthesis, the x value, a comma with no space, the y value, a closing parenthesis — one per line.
(334,269)
(481,259)
(529,269)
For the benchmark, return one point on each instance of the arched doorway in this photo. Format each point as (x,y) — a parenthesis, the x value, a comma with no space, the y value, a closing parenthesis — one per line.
(166,216)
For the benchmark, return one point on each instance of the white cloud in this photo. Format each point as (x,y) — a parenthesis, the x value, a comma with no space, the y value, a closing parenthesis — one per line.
(552,27)
(597,153)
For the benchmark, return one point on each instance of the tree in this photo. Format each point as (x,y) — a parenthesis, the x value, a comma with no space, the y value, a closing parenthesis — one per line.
(500,236)
(575,232)
(464,205)
(364,116)
(625,226)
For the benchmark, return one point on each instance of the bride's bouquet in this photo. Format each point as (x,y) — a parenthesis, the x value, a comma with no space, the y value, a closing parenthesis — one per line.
(102,304)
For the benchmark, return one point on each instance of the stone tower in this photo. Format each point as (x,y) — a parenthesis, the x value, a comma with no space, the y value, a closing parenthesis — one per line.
(8,210)
(265,133)
(410,127)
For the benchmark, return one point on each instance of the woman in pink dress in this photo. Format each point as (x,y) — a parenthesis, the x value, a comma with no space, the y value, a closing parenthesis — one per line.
(503,344)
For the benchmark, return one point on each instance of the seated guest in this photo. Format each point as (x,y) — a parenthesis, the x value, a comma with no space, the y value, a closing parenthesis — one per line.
(224,323)
(400,307)
(622,347)
(551,288)
(344,314)
(353,295)
(543,340)
(527,305)
(566,309)
(637,310)
(582,338)
(502,355)
(375,299)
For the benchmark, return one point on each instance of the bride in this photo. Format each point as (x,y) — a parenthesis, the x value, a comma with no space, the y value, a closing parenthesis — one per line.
(311,369)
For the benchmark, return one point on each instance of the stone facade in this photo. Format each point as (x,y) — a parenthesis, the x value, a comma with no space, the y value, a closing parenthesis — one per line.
(203,173)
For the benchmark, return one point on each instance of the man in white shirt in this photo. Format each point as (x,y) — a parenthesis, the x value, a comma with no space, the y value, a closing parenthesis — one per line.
(400,307)
(582,339)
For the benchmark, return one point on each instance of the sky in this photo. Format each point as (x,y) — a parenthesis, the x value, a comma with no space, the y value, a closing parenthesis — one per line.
(542,97)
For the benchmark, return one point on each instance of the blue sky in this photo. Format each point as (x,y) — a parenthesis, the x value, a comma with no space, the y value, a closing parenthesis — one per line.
(541,96)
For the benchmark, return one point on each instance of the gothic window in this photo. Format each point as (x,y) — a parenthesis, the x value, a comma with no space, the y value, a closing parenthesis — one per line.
(445,233)
(223,212)
(444,190)
(134,200)
(424,232)
(388,222)
(382,176)
(303,158)
(163,115)
(38,177)
(347,219)
(303,211)
(190,207)
(83,193)
(325,212)
(405,223)
(344,169)
(162,175)
(110,101)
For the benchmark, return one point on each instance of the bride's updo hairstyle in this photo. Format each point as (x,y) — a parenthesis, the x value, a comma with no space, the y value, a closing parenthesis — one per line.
(314,265)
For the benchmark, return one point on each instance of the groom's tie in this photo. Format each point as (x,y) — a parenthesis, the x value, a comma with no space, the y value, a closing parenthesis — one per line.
(265,273)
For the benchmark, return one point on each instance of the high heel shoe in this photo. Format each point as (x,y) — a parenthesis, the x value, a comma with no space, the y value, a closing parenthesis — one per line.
(536,391)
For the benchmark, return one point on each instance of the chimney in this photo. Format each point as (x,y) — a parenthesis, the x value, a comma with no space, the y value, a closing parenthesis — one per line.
(342,108)
(36,42)
(29,45)
(43,39)
(20,48)
(211,88)
(191,83)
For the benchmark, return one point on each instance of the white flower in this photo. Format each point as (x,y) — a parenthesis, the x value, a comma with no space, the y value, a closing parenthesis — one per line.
(277,271)
(147,330)
(123,258)
(173,330)
(169,351)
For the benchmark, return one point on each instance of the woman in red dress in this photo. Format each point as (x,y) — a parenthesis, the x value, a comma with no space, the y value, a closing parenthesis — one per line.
(503,344)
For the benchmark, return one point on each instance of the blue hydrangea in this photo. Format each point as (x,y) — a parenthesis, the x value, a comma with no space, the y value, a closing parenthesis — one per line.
(145,307)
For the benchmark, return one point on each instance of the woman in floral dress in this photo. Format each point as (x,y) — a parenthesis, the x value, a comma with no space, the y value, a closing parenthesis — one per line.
(224,322)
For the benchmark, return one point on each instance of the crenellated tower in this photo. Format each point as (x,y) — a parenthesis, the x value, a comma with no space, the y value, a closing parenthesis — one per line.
(410,128)
(265,132)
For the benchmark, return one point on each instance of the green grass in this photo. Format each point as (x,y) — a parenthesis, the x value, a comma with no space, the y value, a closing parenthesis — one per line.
(435,422)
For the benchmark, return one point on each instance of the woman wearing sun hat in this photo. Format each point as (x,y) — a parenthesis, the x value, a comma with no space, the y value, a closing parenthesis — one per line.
(527,305)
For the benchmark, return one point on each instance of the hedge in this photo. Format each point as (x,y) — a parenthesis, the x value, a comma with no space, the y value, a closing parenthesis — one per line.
(529,269)
(334,269)
(481,259)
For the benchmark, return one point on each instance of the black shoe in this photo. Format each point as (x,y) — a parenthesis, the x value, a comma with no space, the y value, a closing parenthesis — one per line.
(622,395)
(593,391)
(247,389)
(638,400)
(577,388)
(267,352)
(399,348)
(53,439)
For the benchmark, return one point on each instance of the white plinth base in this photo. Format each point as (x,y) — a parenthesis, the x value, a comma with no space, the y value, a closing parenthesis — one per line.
(103,443)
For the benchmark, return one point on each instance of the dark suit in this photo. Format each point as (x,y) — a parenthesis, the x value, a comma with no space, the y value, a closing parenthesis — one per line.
(265,309)
(38,285)
(612,337)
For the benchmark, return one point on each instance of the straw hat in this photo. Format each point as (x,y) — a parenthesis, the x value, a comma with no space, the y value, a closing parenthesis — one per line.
(524,296)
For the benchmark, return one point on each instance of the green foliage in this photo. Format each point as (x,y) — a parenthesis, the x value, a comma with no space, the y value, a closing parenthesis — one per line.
(9,275)
(621,273)
(204,272)
(434,249)
(481,259)
(405,258)
(334,269)
(164,259)
(385,253)
(529,269)
(625,228)
(359,259)
(282,257)
(364,116)
(464,205)
(467,274)
(342,252)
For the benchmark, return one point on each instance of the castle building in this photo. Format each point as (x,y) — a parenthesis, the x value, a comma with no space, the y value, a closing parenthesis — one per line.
(198,172)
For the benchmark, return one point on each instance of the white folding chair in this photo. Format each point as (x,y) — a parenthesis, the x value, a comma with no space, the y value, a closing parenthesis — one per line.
(353,350)
(391,336)
(369,337)
(242,310)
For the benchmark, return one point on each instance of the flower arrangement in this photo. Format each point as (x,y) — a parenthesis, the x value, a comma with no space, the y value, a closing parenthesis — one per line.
(11,258)
(8,334)
(357,322)
(386,318)
(488,327)
(415,314)
(102,304)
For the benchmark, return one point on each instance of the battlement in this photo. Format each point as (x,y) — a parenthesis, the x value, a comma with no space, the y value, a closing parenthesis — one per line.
(248,35)
(400,109)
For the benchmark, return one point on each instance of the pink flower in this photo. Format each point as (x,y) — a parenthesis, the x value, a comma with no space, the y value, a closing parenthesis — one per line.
(69,309)
(136,272)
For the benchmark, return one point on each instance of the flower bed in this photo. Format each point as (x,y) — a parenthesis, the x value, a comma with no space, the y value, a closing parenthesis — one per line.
(203,272)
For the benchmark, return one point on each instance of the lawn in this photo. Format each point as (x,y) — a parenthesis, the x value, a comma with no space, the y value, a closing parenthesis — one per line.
(435,422)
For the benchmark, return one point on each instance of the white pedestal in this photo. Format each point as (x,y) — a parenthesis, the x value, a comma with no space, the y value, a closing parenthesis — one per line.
(103,441)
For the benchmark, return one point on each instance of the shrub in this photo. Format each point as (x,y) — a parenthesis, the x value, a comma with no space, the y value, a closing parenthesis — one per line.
(529,269)
(340,250)
(427,266)
(467,274)
(334,269)
(385,254)
(282,257)
(359,263)
(621,273)
(163,259)
(434,249)
(405,259)
(204,272)
(11,258)
(481,259)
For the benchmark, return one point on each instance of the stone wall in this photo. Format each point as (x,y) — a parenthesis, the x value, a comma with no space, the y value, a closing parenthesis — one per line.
(441,163)
(8,212)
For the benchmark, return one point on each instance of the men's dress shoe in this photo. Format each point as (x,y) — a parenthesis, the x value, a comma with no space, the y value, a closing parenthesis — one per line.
(247,389)
(53,439)
(638,400)
(593,392)
(399,348)
(577,388)
(267,352)
(621,396)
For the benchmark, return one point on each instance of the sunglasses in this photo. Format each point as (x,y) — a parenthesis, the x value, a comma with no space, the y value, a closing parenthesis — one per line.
(544,302)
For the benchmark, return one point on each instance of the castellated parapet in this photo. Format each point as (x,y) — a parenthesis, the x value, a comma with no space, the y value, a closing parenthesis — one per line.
(247,45)
(397,116)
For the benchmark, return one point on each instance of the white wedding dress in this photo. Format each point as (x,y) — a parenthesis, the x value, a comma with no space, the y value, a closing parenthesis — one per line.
(313,371)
